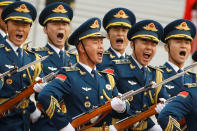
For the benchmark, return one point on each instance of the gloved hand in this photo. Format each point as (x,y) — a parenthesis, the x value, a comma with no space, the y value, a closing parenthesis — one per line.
(118,105)
(69,127)
(38,86)
(160,106)
(35,115)
(112,128)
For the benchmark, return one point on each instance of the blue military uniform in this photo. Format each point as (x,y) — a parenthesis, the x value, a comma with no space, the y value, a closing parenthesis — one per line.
(175,86)
(19,116)
(56,11)
(90,91)
(129,75)
(183,29)
(183,106)
(115,17)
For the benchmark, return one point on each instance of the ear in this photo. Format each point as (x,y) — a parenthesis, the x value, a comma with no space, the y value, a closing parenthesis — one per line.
(107,36)
(166,47)
(80,47)
(45,29)
(131,44)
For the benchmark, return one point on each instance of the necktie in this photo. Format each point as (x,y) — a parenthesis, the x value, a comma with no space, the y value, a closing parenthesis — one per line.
(144,72)
(181,78)
(61,53)
(20,57)
(95,74)
(121,57)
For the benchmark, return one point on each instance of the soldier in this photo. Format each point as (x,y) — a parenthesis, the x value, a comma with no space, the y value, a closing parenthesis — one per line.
(117,23)
(55,18)
(18,17)
(81,86)
(183,106)
(134,73)
(3,32)
(178,36)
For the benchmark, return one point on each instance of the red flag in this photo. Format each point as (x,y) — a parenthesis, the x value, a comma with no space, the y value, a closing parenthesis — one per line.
(189,6)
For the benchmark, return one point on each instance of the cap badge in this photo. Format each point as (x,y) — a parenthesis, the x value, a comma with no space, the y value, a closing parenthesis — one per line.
(95,24)
(59,9)
(151,27)
(22,8)
(121,14)
(183,26)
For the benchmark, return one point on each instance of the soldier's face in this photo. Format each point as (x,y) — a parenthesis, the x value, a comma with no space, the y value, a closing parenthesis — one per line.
(2,23)
(118,38)
(178,51)
(57,33)
(17,31)
(143,50)
(95,49)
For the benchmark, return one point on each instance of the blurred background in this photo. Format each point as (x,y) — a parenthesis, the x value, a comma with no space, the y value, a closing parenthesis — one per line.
(163,11)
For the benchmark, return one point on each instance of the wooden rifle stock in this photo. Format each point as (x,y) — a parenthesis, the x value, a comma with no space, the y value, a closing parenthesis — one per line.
(11,102)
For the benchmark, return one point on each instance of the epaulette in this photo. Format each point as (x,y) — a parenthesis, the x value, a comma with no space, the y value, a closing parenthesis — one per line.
(191,73)
(108,71)
(190,85)
(2,45)
(106,52)
(72,68)
(161,66)
(40,49)
(31,52)
(155,68)
(122,61)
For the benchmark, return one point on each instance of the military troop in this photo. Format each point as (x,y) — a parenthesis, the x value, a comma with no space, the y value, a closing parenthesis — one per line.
(105,85)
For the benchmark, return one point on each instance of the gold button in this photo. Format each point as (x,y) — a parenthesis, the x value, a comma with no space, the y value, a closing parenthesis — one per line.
(145,93)
(144,105)
(86,97)
(24,111)
(24,75)
(9,74)
(101,97)
(24,87)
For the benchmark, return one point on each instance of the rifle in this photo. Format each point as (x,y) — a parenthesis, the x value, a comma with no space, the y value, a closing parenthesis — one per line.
(79,121)
(16,69)
(129,121)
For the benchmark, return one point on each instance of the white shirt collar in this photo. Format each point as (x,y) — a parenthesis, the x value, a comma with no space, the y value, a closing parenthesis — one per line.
(2,33)
(14,47)
(57,50)
(175,67)
(87,67)
(138,64)
(118,53)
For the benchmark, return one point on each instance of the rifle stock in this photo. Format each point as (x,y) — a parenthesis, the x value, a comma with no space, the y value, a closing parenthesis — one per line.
(11,102)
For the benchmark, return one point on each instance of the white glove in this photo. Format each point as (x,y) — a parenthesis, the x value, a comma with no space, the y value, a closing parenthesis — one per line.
(35,115)
(160,106)
(38,86)
(112,128)
(118,105)
(155,128)
(69,127)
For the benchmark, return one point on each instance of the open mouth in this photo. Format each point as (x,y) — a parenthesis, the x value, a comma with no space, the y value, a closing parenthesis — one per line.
(146,55)
(100,54)
(120,41)
(19,37)
(60,36)
(182,53)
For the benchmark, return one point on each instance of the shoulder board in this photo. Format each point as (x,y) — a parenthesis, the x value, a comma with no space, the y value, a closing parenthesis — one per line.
(108,71)
(192,73)
(72,68)
(106,52)
(122,61)
(40,49)
(161,66)
(28,51)
(155,68)
(2,45)
(190,85)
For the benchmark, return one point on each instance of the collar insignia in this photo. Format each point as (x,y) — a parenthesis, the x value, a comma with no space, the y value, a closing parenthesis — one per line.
(121,14)
(59,9)
(151,27)
(183,26)
(22,8)
(52,68)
